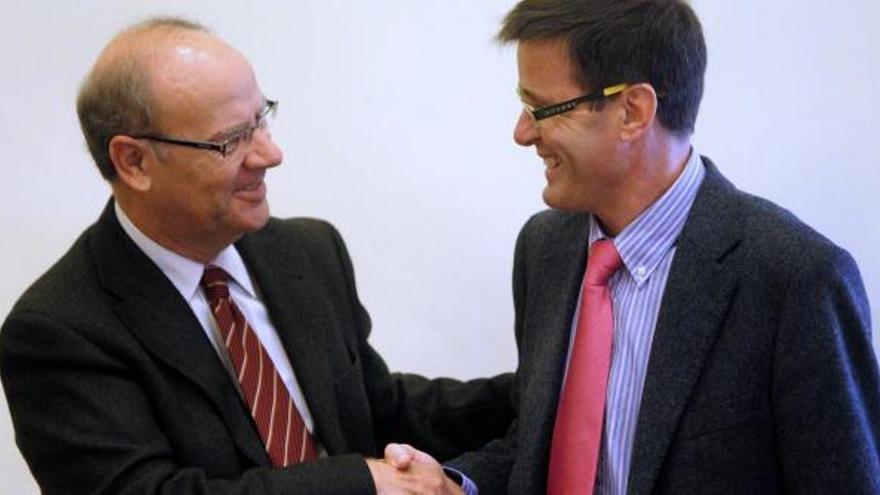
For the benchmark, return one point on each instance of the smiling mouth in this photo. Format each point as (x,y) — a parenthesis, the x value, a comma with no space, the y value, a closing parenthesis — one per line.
(551,163)
(252,187)
(255,192)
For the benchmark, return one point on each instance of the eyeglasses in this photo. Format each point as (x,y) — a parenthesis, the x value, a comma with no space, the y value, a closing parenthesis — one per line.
(230,143)
(551,110)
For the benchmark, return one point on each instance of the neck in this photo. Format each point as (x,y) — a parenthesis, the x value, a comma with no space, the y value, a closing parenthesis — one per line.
(204,251)
(653,168)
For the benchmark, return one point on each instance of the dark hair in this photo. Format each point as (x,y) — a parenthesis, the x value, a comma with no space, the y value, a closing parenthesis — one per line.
(115,97)
(612,41)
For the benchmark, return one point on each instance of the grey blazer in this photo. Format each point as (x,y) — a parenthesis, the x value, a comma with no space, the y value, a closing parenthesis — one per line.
(762,377)
(113,387)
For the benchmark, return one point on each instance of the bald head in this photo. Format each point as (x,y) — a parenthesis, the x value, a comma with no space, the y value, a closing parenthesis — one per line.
(191,77)
(120,95)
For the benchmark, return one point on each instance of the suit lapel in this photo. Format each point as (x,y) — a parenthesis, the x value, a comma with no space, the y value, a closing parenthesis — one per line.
(557,283)
(570,259)
(698,292)
(287,288)
(166,326)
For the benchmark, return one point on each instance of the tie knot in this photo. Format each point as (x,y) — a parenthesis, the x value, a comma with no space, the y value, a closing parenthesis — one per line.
(215,281)
(602,262)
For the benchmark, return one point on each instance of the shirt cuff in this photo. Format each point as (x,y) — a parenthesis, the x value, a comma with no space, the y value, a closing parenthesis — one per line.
(466,484)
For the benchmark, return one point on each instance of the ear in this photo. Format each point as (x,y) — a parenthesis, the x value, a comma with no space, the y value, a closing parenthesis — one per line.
(131,158)
(640,109)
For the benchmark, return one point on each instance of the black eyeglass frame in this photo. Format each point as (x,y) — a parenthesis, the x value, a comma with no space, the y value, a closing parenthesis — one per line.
(542,113)
(221,147)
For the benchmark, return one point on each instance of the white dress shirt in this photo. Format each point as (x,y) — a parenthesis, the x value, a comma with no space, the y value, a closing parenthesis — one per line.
(186,274)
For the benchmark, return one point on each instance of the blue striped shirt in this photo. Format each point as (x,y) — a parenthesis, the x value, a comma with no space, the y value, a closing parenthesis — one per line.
(646,246)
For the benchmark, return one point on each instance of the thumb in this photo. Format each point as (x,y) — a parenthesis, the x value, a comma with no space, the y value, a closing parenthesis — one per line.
(400,455)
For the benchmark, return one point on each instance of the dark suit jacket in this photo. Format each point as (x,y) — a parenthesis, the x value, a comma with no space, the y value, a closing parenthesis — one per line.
(761,378)
(114,388)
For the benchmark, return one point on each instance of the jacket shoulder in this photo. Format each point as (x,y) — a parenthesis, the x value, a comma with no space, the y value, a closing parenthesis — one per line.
(774,235)
(309,243)
(549,225)
(302,228)
(65,286)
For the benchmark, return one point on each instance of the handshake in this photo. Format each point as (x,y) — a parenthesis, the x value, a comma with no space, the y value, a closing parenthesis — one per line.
(405,470)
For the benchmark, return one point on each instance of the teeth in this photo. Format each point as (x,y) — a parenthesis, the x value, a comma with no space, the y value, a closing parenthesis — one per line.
(551,162)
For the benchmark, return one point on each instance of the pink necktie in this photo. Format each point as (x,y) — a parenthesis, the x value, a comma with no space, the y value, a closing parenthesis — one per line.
(577,435)
(281,427)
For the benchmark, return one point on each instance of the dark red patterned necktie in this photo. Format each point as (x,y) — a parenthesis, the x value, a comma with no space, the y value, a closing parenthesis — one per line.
(281,427)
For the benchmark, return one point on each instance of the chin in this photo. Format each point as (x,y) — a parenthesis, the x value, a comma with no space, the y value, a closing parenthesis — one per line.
(553,199)
(559,201)
(258,223)
(255,219)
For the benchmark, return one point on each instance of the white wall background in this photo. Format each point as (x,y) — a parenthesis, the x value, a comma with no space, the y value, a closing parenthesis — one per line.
(396,120)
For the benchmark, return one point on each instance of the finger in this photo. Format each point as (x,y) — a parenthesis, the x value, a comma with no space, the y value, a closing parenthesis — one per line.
(399,455)
(423,458)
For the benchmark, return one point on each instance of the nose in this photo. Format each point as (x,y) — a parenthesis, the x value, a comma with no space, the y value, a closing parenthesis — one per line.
(525,133)
(264,153)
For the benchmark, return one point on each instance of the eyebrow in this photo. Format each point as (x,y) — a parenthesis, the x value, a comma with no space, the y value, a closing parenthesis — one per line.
(532,97)
(239,127)
(225,134)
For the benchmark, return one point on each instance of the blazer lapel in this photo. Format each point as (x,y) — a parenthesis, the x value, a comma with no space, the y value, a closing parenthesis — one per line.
(547,333)
(698,292)
(166,326)
(286,288)
(570,259)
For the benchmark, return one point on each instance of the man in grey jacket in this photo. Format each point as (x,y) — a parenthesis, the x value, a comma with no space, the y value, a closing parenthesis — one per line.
(738,354)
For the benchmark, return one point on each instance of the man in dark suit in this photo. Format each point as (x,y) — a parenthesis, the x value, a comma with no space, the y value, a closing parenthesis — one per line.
(189,343)
(729,347)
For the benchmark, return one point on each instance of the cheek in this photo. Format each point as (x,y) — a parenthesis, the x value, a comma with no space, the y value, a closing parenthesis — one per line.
(217,184)
(205,197)
(568,139)
(575,151)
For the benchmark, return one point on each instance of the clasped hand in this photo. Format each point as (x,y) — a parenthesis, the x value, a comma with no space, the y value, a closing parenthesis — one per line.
(405,470)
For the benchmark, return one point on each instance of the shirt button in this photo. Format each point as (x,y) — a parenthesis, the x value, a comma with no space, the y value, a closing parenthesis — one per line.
(640,271)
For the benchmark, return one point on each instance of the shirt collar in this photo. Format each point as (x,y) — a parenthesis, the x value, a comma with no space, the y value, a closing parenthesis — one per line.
(184,273)
(645,241)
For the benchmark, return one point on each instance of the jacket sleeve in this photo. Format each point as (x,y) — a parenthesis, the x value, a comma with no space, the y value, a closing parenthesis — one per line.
(826,388)
(86,426)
